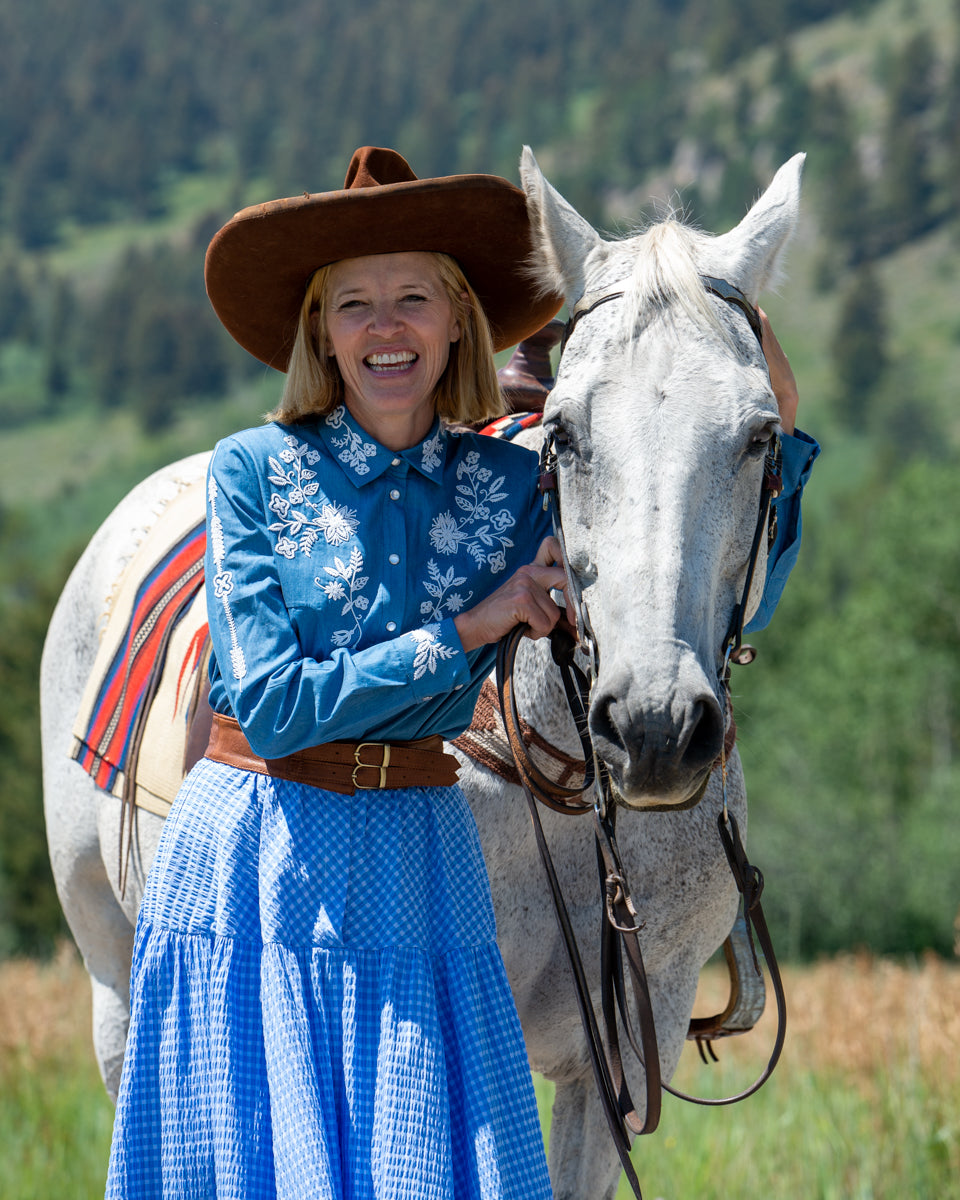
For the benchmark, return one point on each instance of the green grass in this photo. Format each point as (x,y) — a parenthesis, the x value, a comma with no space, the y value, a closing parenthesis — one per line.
(810,1135)
(56,1121)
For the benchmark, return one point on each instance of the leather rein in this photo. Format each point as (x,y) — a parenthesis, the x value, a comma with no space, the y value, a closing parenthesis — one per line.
(620,950)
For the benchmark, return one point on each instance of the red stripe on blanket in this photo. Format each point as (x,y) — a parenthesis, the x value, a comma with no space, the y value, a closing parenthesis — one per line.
(160,600)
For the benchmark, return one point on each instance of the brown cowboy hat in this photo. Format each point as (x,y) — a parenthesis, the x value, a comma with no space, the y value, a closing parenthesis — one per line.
(258,265)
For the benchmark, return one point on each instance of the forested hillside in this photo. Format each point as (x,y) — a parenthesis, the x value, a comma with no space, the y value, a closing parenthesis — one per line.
(129,132)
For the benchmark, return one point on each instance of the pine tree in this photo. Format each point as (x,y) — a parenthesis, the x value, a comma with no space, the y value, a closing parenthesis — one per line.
(859,347)
(846,208)
(908,185)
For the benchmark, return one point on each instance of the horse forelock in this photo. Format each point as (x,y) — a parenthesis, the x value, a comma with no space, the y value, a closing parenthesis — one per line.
(666,276)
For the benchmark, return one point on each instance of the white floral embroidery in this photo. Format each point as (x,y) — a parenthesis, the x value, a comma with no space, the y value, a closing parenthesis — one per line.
(337,524)
(346,584)
(354,451)
(445,534)
(429,650)
(481,530)
(444,601)
(430,459)
(223,581)
(312,519)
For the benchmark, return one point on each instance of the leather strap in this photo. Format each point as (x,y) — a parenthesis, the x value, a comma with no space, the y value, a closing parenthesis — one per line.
(345,767)
(749,881)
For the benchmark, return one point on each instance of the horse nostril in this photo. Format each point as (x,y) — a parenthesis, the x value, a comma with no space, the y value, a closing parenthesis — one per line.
(603,724)
(706,734)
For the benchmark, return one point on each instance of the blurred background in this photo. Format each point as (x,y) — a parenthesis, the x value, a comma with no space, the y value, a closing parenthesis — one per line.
(129,133)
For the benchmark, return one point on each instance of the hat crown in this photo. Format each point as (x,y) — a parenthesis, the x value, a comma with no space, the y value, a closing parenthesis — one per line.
(375,166)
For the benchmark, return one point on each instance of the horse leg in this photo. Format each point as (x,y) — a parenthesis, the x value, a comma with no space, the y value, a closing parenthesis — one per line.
(100,927)
(110,988)
(583,1161)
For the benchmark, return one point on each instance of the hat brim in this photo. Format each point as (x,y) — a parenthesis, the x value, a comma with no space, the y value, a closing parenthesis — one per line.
(258,265)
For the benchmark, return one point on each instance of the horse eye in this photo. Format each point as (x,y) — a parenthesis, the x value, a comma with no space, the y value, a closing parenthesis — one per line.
(562,439)
(759,443)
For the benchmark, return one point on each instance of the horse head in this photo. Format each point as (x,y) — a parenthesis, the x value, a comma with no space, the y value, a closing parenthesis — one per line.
(661,418)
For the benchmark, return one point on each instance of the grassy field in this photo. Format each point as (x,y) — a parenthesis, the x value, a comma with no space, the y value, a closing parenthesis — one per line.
(866,1103)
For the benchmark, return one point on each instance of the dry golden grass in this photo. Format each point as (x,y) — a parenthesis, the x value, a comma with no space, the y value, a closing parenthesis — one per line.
(859,1016)
(864,1102)
(44,1007)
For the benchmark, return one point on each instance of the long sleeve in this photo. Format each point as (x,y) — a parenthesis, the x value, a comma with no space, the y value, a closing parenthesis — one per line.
(800,452)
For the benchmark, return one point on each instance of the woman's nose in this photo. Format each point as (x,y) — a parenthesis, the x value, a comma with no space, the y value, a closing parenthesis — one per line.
(384,318)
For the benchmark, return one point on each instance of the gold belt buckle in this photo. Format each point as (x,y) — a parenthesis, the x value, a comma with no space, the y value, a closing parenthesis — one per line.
(381,766)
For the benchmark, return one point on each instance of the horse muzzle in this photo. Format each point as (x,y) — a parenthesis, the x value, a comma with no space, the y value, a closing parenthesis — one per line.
(659,744)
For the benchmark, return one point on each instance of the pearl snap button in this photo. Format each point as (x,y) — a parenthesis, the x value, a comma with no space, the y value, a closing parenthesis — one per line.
(394,559)
(391,626)
(394,495)
(395,463)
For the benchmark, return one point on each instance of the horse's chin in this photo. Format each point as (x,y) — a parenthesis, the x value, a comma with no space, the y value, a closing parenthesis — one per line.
(676,800)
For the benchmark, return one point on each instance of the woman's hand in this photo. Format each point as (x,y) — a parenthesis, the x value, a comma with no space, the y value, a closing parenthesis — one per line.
(781,376)
(523,598)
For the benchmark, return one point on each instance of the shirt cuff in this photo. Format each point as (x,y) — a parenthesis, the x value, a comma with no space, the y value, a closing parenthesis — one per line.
(436,660)
(799,452)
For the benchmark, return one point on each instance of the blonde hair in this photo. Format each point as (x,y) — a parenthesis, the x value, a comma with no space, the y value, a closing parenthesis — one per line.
(467,392)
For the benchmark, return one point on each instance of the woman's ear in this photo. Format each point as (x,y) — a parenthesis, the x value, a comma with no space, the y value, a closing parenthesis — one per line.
(319,334)
(465,301)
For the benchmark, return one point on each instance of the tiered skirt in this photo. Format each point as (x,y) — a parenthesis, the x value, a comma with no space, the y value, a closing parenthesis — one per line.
(319,1010)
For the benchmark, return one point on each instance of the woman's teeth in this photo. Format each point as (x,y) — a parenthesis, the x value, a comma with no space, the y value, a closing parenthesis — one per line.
(390,360)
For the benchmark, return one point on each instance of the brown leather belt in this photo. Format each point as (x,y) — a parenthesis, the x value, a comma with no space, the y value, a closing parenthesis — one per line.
(340,766)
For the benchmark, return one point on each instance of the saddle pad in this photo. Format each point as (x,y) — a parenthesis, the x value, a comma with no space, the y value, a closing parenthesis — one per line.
(157,624)
(487,743)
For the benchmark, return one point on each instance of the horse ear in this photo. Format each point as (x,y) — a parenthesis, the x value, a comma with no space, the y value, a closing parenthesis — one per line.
(562,239)
(751,254)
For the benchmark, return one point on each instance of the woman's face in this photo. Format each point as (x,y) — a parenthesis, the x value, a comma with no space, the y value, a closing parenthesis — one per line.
(389,325)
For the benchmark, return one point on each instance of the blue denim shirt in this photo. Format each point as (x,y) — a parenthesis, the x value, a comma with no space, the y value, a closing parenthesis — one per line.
(335,568)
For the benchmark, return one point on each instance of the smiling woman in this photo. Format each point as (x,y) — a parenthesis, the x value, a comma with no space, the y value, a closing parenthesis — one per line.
(466,391)
(318,1004)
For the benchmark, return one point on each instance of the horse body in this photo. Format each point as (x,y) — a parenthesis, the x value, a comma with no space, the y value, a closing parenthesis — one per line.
(660,411)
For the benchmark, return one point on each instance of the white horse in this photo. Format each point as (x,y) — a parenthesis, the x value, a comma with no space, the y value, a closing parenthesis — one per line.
(664,404)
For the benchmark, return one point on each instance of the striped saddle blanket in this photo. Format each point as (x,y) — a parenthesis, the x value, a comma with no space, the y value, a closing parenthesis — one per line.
(147,685)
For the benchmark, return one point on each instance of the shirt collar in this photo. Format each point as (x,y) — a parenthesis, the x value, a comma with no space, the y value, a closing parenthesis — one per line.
(362,459)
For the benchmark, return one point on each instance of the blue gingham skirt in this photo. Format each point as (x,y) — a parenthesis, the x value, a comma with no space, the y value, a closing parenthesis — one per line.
(319,1010)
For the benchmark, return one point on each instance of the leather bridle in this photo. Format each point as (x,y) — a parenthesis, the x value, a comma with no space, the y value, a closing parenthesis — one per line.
(620,925)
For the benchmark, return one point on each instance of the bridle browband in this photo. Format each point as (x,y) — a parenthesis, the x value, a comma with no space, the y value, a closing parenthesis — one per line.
(717,287)
(621,925)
